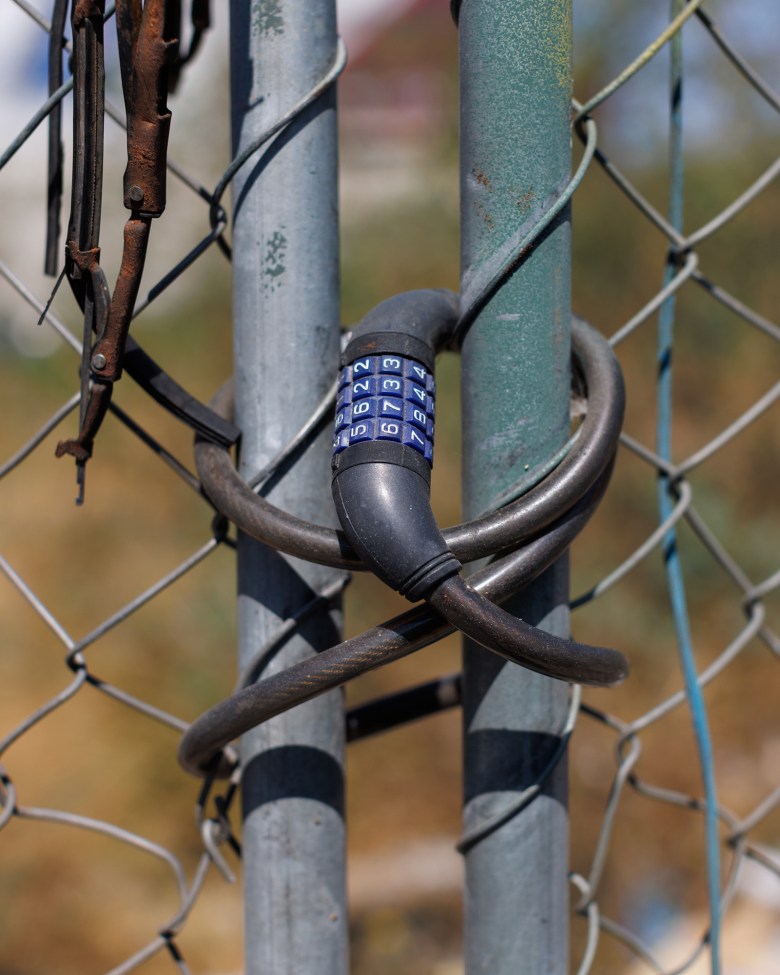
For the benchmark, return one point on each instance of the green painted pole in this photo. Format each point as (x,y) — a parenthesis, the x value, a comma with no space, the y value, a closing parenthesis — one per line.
(515,159)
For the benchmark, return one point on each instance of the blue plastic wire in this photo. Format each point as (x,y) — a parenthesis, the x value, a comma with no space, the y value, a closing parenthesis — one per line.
(666,502)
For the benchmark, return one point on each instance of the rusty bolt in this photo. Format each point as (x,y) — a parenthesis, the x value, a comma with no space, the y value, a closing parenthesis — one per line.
(136,194)
(99,361)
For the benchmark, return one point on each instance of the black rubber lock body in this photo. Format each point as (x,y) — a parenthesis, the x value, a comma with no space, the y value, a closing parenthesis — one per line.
(383,452)
(383,446)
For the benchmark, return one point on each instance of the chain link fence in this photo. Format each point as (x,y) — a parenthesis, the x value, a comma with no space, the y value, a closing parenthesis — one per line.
(117,618)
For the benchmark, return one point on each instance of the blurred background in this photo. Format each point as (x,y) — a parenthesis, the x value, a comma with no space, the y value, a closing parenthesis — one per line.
(74,901)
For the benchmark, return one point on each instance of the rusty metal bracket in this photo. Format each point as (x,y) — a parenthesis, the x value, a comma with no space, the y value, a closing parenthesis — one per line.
(82,251)
(146,47)
(149,64)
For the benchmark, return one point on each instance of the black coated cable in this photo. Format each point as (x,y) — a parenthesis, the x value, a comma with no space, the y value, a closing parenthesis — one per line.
(200,747)
(534,530)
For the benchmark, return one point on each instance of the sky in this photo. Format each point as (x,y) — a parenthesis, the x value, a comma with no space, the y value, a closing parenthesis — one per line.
(23,87)
(755,24)
(23,56)
(20,37)
(713,121)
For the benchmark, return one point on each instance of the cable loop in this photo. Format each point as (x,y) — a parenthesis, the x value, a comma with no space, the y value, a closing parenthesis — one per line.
(497,531)
(523,537)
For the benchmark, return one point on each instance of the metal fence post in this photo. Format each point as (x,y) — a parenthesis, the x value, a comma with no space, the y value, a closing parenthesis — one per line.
(516,152)
(286,319)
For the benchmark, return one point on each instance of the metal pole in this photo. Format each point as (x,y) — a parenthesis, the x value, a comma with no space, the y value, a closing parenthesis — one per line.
(516,157)
(286,319)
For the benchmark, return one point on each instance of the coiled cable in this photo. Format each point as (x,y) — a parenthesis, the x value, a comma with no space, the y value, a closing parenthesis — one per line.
(492,533)
(523,538)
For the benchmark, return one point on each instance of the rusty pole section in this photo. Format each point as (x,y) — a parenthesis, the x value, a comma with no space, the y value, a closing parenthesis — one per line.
(515,125)
(286,348)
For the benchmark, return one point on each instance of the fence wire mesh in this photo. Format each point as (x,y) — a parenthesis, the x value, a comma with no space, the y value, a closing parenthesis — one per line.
(115,617)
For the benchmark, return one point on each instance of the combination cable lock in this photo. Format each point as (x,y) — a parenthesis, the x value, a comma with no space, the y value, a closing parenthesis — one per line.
(381,466)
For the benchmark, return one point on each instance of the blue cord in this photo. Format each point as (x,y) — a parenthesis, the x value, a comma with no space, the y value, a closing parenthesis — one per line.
(673,567)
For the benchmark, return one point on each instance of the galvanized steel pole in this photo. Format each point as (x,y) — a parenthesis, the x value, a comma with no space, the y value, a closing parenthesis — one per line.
(516,152)
(286,319)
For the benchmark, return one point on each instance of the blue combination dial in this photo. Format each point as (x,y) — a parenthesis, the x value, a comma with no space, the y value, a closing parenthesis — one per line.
(385,398)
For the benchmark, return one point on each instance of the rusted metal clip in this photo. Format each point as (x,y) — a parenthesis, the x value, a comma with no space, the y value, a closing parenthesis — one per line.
(82,251)
(149,64)
(146,48)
